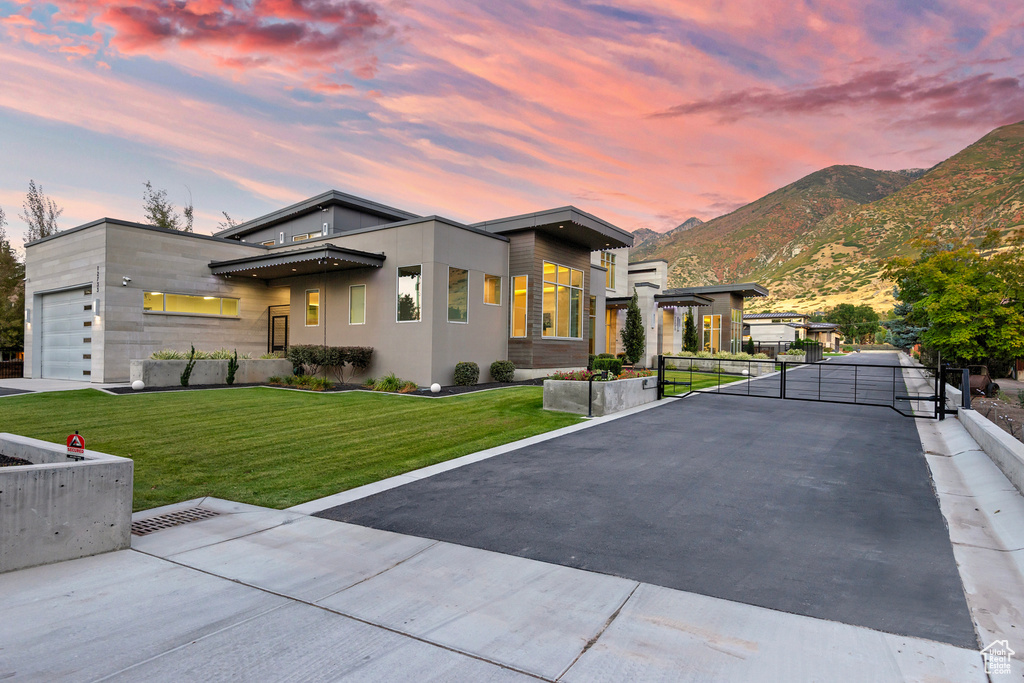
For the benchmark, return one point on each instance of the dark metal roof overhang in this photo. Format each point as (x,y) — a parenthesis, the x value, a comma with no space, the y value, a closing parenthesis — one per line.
(744,289)
(663,300)
(325,258)
(566,223)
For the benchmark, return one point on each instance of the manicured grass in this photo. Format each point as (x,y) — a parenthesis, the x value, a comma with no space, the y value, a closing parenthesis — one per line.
(835,355)
(272,447)
(698,380)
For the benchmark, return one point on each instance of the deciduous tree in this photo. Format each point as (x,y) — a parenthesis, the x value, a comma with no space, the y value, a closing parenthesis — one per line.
(40,213)
(159,211)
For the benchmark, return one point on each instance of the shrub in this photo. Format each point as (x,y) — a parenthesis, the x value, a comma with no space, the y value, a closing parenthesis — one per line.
(232,368)
(794,352)
(466,373)
(275,380)
(590,361)
(574,375)
(369,382)
(632,374)
(389,382)
(167,354)
(621,356)
(291,380)
(761,356)
(320,384)
(750,346)
(634,337)
(187,372)
(272,355)
(505,370)
(408,388)
(610,355)
(313,357)
(612,365)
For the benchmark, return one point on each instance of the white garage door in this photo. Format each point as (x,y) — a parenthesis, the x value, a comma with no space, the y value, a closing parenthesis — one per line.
(67,334)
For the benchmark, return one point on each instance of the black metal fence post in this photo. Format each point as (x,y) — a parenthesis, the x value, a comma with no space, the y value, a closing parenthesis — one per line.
(661,377)
(940,405)
(965,387)
(782,381)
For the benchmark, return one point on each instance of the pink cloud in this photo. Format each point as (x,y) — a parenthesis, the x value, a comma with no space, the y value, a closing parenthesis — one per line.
(313,40)
(946,101)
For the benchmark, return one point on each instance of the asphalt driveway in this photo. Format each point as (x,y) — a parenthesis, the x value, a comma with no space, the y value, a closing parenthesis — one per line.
(822,510)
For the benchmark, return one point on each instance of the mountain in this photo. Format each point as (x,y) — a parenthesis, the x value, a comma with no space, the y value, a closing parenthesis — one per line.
(689,223)
(824,239)
(642,235)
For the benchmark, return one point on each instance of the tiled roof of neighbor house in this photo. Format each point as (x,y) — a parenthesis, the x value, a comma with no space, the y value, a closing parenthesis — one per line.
(769,316)
(822,326)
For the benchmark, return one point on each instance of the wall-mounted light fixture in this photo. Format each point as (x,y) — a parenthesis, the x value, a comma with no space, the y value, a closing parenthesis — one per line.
(125,280)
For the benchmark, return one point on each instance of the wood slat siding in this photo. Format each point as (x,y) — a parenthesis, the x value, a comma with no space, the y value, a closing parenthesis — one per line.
(527,252)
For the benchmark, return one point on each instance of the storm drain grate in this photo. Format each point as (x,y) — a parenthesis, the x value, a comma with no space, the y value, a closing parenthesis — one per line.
(171,519)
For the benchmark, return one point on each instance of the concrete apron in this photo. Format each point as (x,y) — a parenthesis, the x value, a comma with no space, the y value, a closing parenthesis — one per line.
(268,594)
(985,516)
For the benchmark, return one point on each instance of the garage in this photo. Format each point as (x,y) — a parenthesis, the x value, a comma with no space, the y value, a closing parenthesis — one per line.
(66,331)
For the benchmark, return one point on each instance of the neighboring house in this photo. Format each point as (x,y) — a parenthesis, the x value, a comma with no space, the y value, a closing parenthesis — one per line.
(424,292)
(785,328)
(717,309)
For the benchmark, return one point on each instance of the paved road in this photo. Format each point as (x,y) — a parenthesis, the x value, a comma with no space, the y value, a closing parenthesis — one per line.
(824,510)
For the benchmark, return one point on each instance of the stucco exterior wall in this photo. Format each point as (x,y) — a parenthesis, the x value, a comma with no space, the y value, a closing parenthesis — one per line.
(423,351)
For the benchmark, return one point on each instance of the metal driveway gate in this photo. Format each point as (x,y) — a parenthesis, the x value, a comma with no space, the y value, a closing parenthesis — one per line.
(830,382)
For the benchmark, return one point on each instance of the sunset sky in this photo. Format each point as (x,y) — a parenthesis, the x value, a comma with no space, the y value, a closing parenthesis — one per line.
(644,113)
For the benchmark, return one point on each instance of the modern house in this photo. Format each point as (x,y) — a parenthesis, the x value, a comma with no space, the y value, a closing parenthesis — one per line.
(717,310)
(784,328)
(424,291)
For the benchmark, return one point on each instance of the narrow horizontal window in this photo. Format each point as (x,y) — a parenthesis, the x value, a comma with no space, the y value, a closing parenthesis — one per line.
(160,302)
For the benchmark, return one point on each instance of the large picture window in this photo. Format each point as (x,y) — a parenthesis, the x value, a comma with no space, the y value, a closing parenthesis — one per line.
(736,331)
(312,307)
(357,305)
(562,302)
(410,279)
(519,290)
(458,295)
(608,261)
(161,302)
(492,290)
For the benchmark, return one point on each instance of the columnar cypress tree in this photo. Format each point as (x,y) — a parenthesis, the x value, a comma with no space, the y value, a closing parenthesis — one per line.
(690,334)
(634,339)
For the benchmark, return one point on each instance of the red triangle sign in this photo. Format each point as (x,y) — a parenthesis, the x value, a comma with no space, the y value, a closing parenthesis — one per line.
(76,444)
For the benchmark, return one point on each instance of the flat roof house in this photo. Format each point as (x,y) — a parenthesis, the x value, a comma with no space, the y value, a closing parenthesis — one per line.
(424,291)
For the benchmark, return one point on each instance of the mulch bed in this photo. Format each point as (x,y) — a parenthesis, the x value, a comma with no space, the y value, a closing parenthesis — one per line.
(149,390)
(1007,416)
(455,389)
(8,461)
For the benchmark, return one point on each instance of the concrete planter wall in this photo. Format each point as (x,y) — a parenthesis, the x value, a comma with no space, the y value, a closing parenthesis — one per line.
(571,396)
(167,373)
(756,367)
(1004,450)
(58,509)
(802,358)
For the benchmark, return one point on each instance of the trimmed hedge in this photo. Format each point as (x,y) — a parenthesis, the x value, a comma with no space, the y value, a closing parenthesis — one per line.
(503,370)
(466,373)
(612,365)
(314,357)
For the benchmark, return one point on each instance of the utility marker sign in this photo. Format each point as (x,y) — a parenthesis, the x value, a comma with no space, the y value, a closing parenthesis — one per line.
(76,446)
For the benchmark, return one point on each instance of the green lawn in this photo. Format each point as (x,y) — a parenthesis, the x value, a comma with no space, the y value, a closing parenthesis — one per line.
(698,380)
(276,448)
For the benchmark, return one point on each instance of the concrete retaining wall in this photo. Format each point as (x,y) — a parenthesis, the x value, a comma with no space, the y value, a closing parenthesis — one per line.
(756,367)
(58,509)
(571,396)
(167,373)
(1004,450)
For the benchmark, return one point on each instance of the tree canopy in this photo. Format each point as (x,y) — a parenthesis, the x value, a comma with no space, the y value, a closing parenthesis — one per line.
(856,323)
(966,300)
(40,213)
(162,213)
(12,296)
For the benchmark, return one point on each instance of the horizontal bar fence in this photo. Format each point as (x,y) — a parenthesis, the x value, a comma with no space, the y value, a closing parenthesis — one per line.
(12,369)
(832,382)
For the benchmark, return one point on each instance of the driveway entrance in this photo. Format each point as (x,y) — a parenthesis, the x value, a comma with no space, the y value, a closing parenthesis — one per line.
(824,510)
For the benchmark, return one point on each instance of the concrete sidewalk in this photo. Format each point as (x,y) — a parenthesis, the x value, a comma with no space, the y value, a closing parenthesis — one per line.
(257,594)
